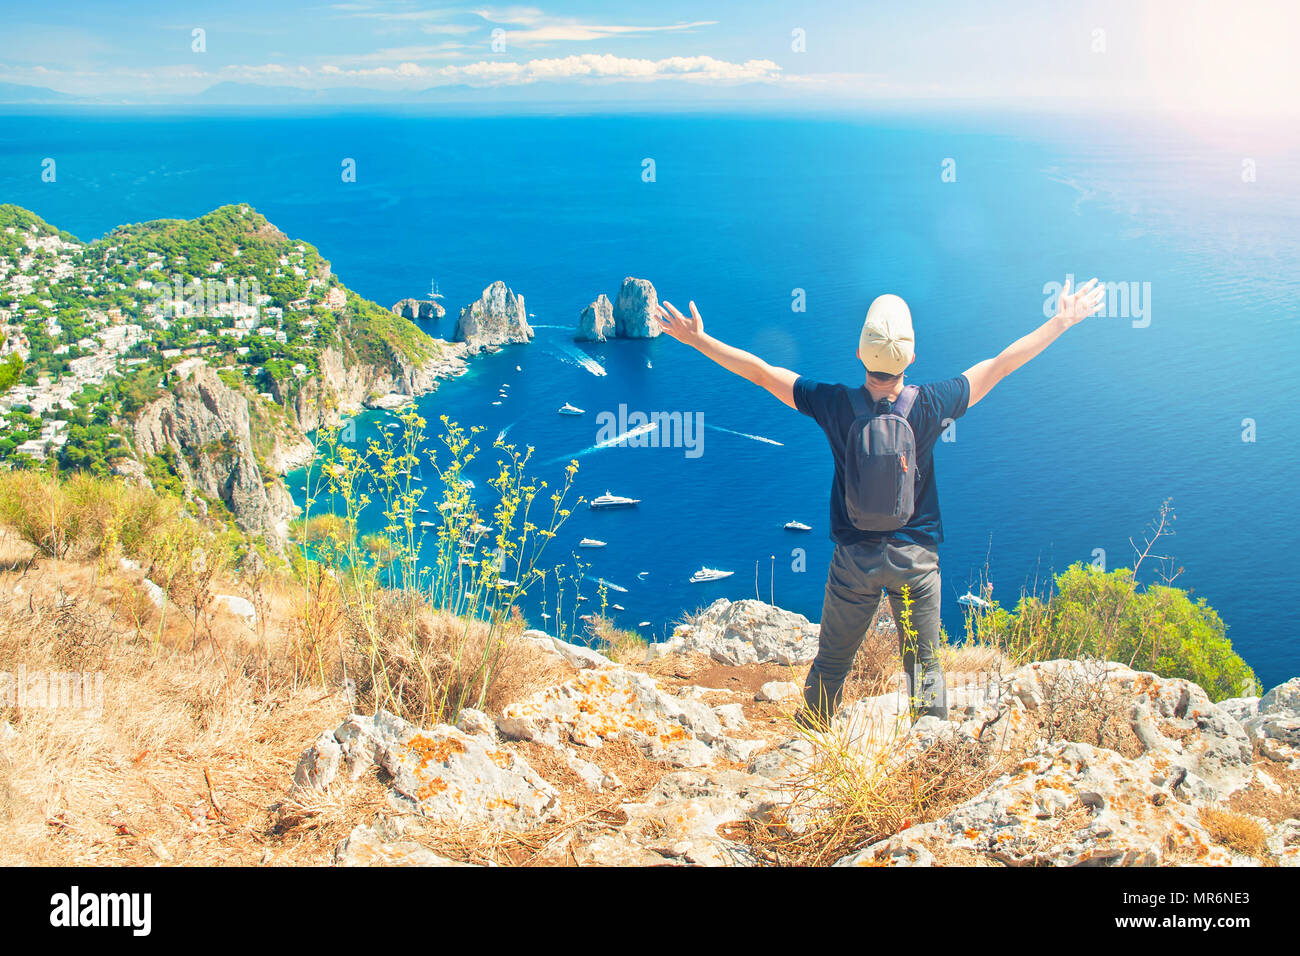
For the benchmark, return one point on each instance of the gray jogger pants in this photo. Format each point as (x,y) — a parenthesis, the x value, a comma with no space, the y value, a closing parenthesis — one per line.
(858,573)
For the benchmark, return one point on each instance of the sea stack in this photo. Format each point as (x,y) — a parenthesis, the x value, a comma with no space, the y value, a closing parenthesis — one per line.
(596,321)
(497,318)
(635,312)
(419,309)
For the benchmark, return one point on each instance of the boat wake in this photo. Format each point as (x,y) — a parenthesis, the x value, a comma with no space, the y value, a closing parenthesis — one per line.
(501,435)
(609,442)
(571,355)
(609,584)
(732,431)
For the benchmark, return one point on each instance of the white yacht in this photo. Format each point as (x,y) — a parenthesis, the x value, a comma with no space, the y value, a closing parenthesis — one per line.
(618,607)
(710,574)
(797,526)
(591,543)
(973,601)
(608,500)
(567,409)
(643,624)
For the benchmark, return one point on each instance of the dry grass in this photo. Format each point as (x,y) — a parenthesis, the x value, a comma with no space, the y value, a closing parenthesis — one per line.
(855,792)
(618,644)
(190,751)
(1238,833)
(437,663)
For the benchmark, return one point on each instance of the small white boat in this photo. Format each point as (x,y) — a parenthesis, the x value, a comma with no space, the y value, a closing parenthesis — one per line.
(545,616)
(641,575)
(797,526)
(480,528)
(496,403)
(643,624)
(567,409)
(507,583)
(427,524)
(974,601)
(608,500)
(519,368)
(466,559)
(581,598)
(618,607)
(612,586)
(591,543)
(710,574)
(649,364)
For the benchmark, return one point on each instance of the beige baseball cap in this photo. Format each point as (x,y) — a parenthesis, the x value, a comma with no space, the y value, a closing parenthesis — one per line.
(886,343)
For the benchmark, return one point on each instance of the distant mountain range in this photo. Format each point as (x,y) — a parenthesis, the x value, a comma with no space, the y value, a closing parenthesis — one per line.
(678,94)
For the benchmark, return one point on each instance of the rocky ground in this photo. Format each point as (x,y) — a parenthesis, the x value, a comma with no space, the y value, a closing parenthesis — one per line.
(682,755)
(684,758)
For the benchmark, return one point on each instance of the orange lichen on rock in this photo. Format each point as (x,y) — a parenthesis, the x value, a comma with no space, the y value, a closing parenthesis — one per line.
(427,750)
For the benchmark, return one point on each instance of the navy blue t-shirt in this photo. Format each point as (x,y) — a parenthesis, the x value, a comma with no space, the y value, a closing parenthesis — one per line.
(936,403)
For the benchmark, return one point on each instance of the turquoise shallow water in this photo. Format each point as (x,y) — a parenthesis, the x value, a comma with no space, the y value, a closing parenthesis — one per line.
(1072,454)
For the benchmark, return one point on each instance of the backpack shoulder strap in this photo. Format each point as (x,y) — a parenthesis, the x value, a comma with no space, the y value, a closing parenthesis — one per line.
(905,400)
(860,407)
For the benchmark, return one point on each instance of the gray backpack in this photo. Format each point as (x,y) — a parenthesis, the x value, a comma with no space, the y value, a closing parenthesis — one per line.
(880,475)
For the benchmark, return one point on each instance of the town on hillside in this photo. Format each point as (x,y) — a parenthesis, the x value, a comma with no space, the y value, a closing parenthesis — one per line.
(89,331)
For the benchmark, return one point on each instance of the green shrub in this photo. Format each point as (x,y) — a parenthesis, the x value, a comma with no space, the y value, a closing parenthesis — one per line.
(1094,613)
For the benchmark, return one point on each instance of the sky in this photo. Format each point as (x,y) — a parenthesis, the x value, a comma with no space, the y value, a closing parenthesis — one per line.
(1216,56)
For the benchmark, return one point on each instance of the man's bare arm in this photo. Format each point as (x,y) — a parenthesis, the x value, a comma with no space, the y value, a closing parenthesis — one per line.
(690,330)
(1072,309)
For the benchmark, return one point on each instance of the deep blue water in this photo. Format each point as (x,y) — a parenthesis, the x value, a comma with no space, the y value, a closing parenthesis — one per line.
(1073,453)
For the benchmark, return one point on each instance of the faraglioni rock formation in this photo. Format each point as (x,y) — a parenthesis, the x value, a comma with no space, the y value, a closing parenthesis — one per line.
(596,322)
(497,318)
(419,309)
(635,310)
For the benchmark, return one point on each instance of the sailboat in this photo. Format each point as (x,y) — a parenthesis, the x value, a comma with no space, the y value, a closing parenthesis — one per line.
(433,290)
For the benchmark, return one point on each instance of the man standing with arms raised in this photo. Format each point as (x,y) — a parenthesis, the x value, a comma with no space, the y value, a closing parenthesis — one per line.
(884,508)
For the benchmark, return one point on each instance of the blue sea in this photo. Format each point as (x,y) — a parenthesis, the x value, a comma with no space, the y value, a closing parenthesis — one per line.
(1070,457)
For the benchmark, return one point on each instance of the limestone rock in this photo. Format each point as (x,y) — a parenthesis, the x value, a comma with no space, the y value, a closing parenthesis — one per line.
(497,318)
(596,322)
(157,596)
(419,309)
(635,310)
(576,655)
(745,632)
(779,690)
(602,703)
(365,846)
(441,773)
(240,607)
(1070,804)
(677,822)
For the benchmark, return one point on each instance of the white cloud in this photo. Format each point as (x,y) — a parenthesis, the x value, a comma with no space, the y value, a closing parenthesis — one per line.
(533,27)
(608,66)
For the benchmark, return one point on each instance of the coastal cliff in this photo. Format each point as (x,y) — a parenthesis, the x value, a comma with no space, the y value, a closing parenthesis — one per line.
(342,388)
(204,428)
(496,318)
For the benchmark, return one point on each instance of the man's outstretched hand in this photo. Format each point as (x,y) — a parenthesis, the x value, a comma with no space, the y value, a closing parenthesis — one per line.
(687,329)
(690,329)
(1077,306)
